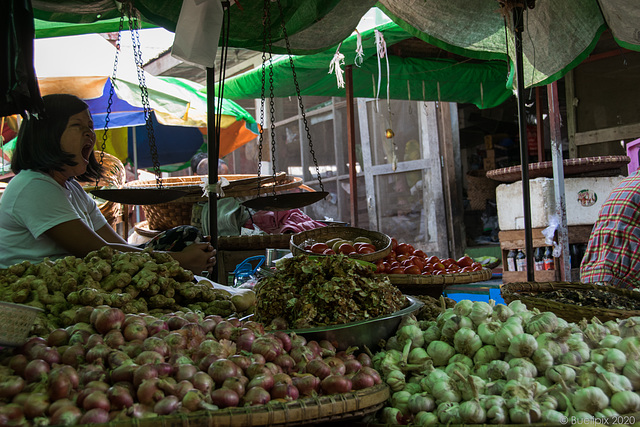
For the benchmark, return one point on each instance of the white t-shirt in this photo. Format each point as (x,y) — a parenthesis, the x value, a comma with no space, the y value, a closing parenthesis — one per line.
(33,203)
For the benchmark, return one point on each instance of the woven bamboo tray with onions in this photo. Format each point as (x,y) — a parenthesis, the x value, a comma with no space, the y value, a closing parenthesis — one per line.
(381,241)
(332,408)
(526,292)
(418,284)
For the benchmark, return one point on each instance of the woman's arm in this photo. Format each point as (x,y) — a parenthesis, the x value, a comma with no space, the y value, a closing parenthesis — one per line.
(78,239)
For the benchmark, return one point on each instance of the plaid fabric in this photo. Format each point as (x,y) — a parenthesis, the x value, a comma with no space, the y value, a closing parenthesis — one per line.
(613,252)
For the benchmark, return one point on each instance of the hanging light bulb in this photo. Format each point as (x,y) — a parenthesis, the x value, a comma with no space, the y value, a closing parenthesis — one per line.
(389,133)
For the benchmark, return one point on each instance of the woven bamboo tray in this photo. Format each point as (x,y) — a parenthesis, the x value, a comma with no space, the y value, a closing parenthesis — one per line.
(16,321)
(381,241)
(526,292)
(596,166)
(416,284)
(334,408)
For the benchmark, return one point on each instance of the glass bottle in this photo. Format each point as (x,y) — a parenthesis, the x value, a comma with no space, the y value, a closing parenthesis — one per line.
(521,261)
(538,260)
(511,260)
(548,259)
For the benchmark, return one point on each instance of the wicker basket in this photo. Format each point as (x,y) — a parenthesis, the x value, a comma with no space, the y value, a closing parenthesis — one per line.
(416,284)
(341,408)
(381,241)
(480,189)
(526,292)
(16,321)
(114,176)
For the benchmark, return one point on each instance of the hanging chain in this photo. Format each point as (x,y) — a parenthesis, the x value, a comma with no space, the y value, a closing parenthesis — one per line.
(267,48)
(107,117)
(295,81)
(134,25)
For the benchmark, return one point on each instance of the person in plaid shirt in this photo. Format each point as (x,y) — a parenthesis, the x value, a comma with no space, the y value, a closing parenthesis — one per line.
(613,253)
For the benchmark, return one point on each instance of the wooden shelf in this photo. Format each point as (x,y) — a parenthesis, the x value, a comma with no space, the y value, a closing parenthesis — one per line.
(514,239)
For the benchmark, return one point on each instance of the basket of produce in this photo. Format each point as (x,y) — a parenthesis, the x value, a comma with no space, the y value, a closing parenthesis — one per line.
(480,364)
(334,298)
(16,321)
(353,242)
(123,369)
(575,301)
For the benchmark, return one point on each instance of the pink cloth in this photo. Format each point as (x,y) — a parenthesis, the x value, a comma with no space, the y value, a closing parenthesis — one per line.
(281,222)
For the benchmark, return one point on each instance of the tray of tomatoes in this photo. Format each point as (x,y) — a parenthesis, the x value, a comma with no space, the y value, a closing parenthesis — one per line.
(405,266)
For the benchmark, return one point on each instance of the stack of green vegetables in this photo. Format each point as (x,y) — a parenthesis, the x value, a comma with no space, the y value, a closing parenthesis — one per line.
(479,363)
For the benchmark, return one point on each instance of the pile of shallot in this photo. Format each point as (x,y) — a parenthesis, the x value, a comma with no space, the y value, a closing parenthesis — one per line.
(112,366)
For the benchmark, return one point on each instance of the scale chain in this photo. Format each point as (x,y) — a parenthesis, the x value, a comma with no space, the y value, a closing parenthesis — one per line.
(137,53)
(295,81)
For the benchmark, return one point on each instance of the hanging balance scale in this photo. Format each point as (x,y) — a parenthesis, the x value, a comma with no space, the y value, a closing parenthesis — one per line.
(133,195)
(283,201)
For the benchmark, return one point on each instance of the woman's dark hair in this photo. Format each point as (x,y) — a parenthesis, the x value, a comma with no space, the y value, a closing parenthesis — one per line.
(38,145)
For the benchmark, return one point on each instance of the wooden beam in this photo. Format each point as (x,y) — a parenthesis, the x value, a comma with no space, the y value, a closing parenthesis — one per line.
(609,134)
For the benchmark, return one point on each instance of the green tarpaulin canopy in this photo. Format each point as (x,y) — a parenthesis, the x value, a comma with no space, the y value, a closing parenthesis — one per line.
(558,34)
(481,83)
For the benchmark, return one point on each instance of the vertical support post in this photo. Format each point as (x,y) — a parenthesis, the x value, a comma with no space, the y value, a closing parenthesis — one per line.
(539,126)
(524,153)
(351,141)
(558,179)
(213,152)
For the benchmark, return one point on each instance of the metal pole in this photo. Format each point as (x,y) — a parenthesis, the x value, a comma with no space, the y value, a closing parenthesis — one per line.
(524,153)
(351,140)
(213,152)
(558,179)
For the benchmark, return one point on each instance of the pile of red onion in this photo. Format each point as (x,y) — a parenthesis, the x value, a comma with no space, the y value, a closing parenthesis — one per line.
(112,366)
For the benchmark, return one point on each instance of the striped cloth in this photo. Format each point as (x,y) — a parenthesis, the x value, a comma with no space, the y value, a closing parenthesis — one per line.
(613,252)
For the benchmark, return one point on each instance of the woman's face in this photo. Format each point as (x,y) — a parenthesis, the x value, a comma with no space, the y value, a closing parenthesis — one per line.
(78,139)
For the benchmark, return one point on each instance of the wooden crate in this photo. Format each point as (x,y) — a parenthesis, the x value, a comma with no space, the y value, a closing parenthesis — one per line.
(514,239)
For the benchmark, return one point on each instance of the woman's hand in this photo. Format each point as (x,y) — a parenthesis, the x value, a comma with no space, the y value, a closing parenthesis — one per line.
(197,257)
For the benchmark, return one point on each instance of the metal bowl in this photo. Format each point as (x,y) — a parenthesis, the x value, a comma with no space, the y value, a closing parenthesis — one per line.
(365,332)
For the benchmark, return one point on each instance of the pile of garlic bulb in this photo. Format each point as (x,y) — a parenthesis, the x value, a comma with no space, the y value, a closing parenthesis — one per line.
(504,364)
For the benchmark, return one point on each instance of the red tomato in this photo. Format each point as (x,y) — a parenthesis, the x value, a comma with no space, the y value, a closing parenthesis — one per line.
(420,253)
(465,261)
(433,259)
(417,261)
(403,257)
(397,270)
(394,243)
(466,269)
(448,261)
(438,272)
(386,267)
(406,263)
(328,251)
(412,269)
(318,248)
(390,256)
(366,250)
(404,248)
(439,267)
(476,266)
(346,249)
